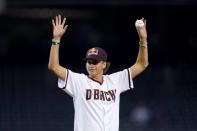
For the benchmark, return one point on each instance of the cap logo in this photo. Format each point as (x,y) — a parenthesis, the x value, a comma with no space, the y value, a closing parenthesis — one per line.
(93,51)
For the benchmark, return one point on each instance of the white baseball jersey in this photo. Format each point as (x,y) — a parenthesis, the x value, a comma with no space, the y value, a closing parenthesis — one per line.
(96,104)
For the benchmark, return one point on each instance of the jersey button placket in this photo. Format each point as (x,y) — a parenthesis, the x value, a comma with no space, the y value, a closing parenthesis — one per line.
(103,112)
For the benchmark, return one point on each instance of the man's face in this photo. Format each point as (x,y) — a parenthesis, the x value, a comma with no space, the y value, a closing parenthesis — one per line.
(95,67)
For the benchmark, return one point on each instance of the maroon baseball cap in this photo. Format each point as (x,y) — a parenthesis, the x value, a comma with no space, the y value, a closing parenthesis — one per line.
(96,53)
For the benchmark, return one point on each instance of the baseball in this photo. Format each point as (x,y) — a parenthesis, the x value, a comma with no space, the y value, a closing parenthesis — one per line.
(139,23)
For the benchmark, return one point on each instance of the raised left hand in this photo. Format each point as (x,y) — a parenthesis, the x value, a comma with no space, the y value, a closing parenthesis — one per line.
(142,33)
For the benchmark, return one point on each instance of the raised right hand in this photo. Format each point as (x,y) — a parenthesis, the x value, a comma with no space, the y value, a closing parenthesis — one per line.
(59,27)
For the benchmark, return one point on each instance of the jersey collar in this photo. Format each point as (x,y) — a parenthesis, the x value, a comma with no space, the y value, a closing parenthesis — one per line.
(96,80)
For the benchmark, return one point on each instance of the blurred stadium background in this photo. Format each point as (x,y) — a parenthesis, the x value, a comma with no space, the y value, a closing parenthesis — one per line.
(165,95)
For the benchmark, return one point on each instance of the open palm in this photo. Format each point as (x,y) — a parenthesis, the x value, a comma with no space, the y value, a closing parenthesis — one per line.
(59,27)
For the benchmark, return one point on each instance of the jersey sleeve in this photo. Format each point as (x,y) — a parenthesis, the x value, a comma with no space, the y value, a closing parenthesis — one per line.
(71,83)
(123,79)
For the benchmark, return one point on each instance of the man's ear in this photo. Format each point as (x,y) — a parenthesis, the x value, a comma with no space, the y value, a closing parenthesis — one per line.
(104,65)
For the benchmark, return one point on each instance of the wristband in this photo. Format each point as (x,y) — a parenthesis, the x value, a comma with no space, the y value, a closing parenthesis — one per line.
(55,42)
(143,44)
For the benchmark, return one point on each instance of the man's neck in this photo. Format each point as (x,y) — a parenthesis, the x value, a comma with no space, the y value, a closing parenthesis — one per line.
(98,78)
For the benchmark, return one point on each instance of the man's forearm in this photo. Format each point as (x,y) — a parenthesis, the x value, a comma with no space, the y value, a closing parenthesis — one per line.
(54,56)
(142,57)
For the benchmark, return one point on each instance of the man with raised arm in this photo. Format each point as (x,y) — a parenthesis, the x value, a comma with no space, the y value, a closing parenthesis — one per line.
(96,96)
